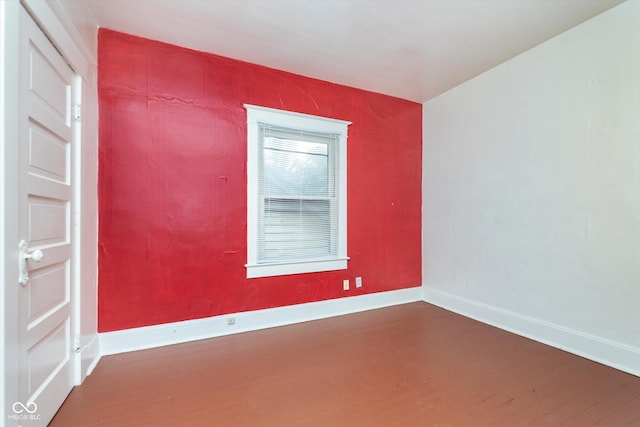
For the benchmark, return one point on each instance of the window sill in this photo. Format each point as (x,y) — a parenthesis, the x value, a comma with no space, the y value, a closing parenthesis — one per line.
(295,267)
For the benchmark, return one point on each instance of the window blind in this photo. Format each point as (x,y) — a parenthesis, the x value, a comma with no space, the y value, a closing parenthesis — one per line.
(298,216)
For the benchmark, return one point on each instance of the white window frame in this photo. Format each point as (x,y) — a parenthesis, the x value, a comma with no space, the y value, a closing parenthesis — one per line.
(261,115)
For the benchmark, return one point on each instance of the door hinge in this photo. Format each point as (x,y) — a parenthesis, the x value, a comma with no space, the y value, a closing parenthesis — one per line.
(77,112)
(76,344)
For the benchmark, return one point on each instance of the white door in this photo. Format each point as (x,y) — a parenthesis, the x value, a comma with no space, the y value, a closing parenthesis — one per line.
(45,194)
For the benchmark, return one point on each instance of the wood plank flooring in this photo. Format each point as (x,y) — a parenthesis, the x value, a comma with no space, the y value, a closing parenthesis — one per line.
(408,365)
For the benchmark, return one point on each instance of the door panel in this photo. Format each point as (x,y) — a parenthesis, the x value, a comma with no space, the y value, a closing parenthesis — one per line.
(42,297)
(48,356)
(46,136)
(48,84)
(49,156)
(48,219)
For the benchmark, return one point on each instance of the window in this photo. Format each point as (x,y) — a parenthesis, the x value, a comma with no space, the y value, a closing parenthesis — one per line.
(296,193)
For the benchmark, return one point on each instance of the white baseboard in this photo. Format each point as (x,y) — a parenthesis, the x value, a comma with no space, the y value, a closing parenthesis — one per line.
(617,355)
(92,356)
(87,357)
(191,330)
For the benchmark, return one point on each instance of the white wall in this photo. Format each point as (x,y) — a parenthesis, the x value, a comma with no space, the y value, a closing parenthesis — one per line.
(531,217)
(80,16)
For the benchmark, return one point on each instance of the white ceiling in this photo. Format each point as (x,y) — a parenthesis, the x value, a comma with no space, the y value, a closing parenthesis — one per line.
(412,49)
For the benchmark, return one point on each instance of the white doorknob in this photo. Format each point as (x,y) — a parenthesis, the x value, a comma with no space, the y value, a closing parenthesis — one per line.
(25,254)
(36,255)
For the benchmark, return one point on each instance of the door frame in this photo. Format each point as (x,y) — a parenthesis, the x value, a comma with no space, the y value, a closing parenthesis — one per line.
(9,113)
(61,31)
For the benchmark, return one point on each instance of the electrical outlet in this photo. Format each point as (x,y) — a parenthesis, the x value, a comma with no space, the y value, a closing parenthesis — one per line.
(358,282)
(231,321)
(345,284)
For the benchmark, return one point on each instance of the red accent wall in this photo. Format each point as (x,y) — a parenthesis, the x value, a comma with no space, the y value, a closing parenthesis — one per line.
(172,184)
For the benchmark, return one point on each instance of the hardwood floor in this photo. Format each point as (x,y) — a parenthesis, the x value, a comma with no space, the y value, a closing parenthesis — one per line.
(408,365)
